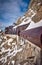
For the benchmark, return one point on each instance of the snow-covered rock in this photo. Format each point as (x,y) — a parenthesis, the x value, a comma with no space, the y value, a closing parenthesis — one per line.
(14,43)
(10,40)
(5,37)
(3,49)
(8,43)
(33,13)
(25,21)
(38,4)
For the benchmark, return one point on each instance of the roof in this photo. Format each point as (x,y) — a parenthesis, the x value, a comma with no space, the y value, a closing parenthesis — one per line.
(33,35)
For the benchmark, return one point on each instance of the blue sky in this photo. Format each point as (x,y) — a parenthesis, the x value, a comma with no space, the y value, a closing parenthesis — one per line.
(11,10)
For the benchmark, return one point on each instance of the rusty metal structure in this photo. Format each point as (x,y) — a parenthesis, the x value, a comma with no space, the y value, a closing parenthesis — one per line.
(33,35)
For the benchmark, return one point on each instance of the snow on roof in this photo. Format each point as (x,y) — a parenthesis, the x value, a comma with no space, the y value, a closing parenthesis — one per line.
(34,25)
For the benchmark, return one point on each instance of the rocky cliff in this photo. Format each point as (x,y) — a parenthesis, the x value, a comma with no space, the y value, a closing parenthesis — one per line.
(34,11)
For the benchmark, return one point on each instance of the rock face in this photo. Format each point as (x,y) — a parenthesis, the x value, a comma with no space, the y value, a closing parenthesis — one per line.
(22,52)
(35,6)
(19,21)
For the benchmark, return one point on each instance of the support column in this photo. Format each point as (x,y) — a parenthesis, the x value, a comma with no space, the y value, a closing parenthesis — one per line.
(41,58)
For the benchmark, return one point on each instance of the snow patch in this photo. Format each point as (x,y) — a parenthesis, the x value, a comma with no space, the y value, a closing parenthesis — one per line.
(13,62)
(3,49)
(14,43)
(8,43)
(22,17)
(34,13)
(23,22)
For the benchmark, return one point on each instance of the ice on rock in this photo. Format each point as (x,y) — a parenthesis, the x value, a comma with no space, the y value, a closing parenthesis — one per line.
(13,62)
